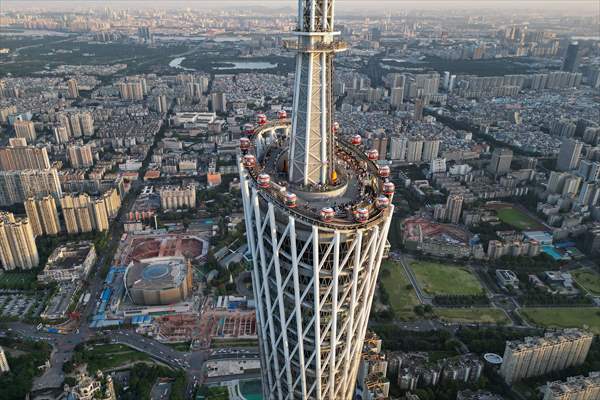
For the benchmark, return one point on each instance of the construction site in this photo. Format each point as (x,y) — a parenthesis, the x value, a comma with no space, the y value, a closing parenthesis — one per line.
(224,318)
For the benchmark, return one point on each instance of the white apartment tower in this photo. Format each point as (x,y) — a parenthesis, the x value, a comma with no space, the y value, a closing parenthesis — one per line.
(317,213)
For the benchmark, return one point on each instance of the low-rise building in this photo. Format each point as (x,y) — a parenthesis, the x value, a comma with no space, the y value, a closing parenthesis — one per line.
(69,262)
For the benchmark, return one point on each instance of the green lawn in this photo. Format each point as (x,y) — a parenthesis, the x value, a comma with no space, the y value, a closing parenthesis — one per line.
(401,293)
(518,219)
(589,279)
(445,279)
(107,356)
(564,317)
(473,315)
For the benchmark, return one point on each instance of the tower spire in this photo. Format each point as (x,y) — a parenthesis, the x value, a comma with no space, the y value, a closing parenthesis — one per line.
(311,148)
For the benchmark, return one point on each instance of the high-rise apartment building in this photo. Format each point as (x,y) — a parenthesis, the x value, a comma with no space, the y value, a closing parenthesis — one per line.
(414,150)
(61,134)
(574,388)
(16,186)
(571,62)
(17,243)
(219,102)
(419,106)
(4,367)
(536,356)
(87,123)
(397,96)
(134,88)
(43,215)
(80,156)
(454,205)
(33,216)
(18,158)
(500,162)
(75,123)
(431,149)
(175,197)
(83,214)
(398,148)
(64,122)
(25,129)
(72,89)
(315,264)
(569,155)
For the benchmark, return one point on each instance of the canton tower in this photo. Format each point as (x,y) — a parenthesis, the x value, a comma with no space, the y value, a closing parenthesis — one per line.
(317,210)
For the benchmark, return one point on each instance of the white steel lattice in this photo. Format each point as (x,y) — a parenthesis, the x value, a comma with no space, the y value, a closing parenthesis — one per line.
(313,286)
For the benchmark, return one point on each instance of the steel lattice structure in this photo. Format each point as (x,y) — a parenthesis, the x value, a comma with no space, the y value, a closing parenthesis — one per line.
(317,213)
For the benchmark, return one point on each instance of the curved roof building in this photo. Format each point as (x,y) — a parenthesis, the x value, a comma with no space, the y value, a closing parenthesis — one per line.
(159,281)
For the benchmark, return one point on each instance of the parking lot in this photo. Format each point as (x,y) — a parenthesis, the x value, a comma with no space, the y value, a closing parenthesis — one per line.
(18,305)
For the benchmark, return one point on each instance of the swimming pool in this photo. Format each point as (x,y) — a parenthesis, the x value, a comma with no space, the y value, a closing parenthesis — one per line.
(251,390)
(552,252)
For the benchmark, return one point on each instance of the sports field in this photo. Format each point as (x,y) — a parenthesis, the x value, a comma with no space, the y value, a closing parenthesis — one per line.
(564,317)
(589,279)
(401,293)
(445,279)
(480,315)
(17,280)
(518,219)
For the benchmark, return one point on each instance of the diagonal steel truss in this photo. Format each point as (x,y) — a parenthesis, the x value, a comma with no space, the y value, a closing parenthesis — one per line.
(314,289)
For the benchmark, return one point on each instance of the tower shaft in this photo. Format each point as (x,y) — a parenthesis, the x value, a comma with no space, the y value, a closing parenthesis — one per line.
(311,148)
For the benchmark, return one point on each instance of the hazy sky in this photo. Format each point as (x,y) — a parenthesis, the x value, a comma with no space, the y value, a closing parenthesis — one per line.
(570,7)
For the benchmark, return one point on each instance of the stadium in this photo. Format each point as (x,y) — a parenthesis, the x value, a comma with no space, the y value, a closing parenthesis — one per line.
(158,281)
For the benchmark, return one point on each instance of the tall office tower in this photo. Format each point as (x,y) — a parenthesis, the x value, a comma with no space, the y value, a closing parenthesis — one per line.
(568,157)
(431,148)
(80,156)
(535,356)
(25,129)
(419,105)
(4,367)
(315,263)
(219,102)
(571,62)
(17,243)
(454,205)
(34,216)
(397,96)
(87,123)
(500,162)
(72,89)
(61,134)
(17,158)
(75,125)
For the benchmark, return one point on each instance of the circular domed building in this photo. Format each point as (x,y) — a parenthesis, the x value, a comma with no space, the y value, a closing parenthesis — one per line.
(159,281)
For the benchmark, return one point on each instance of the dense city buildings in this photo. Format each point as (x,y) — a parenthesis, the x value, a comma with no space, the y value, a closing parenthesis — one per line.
(237,190)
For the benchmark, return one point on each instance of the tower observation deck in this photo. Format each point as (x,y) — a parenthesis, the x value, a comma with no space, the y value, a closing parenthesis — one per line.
(317,210)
